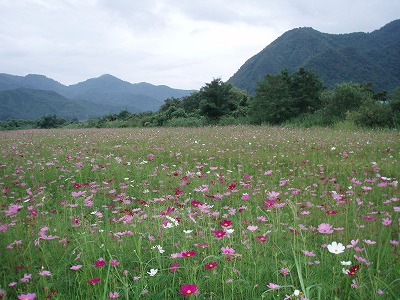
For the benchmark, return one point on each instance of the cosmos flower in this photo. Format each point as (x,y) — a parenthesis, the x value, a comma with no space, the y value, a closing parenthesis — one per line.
(94,280)
(152,272)
(211,265)
(325,228)
(336,248)
(273,286)
(188,289)
(27,296)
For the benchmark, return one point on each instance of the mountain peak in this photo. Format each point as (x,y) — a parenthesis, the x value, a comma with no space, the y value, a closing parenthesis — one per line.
(360,57)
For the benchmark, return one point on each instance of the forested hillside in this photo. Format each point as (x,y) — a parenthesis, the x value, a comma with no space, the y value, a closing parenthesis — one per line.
(354,57)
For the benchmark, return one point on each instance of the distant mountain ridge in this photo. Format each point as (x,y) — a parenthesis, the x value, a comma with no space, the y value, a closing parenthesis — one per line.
(353,57)
(94,97)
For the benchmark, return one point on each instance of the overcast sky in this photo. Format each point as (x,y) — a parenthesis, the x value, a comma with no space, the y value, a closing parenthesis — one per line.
(180,43)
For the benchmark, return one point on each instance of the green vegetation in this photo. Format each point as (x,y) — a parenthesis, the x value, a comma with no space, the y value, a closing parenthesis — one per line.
(297,99)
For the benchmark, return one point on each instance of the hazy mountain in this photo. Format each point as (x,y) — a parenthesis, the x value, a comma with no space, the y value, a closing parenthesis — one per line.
(94,97)
(24,103)
(356,57)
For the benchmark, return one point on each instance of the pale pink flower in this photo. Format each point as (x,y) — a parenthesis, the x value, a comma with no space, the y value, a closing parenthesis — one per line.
(75,268)
(227,250)
(273,286)
(325,228)
(369,242)
(26,278)
(45,273)
(362,259)
(113,295)
(386,222)
(352,243)
(308,253)
(354,284)
(27,296)
(252,228)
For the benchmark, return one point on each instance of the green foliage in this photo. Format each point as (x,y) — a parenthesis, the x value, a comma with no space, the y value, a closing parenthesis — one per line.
(51,121)
(372,114)
(283,96)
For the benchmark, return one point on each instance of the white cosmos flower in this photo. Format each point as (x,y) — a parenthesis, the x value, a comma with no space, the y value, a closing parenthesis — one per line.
(345,263)
(152,272)
(336,248)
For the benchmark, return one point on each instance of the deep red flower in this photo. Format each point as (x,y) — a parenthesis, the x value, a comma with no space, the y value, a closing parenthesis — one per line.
(219,233)
(188,289)
(232,186)
(353,270)
(195,203)
(94,280)
(188,253)
(262,238)
(226,223)
(211,265)
(331,212)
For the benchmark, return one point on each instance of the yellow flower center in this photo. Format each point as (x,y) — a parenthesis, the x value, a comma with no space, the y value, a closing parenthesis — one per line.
(189,292)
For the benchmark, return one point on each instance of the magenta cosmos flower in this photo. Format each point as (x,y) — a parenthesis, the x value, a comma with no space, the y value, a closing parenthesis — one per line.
(211,265)
(188,289)
(188,253)
(94,280)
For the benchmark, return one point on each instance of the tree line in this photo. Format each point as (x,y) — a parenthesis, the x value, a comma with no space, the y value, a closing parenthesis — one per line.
(297,98)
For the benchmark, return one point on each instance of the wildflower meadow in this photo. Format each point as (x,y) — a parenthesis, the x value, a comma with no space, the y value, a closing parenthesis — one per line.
(235,212)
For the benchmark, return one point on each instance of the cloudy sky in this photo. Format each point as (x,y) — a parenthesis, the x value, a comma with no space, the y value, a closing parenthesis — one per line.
(180,43)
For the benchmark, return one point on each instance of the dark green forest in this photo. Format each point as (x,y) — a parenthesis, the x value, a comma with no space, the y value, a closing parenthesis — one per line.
(291,99)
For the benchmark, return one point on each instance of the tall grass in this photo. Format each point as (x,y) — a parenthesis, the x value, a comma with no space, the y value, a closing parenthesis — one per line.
(233,212)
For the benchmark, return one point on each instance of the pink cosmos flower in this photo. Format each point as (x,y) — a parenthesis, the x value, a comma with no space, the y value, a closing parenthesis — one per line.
(362,259)
(27,296)
(114,262)
(252,228)
(227,250)
(176,255)
(273,286)
(113,295)
(325,228)
(45,273)
(26,278)
(75,268)
(174,267)
(394,242)
(308,253)
(245,197)
(284,271)
(386,222)
(369,242)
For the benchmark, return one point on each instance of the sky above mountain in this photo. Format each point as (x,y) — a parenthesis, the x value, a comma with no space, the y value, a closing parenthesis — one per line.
(182,44)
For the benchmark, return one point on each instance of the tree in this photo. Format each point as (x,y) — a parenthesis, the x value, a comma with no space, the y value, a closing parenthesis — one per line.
(213,99)
(344,98)
(272,103)
(284,96)
(305,89)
